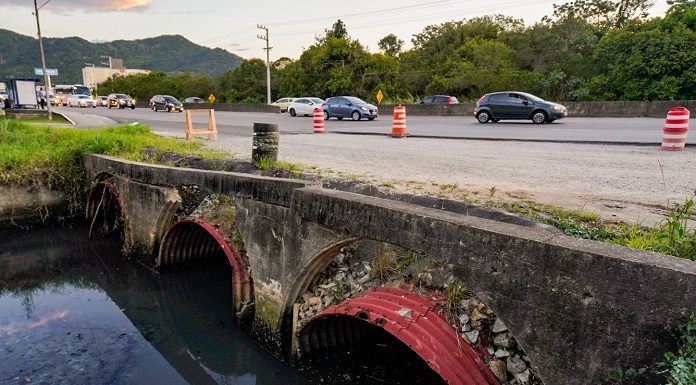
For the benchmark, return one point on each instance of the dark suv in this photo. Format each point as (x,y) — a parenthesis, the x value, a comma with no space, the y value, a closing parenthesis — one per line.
(120,100)
(165,102)
(439,99)
(517,105)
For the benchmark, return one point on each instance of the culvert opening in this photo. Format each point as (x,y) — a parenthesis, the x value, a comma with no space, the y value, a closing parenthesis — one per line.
(105,210)
(348,350)
(191,242)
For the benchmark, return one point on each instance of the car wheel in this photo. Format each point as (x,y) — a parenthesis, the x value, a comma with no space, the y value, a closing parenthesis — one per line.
(154,108)
(132,107)
(539,117)
(355,115)
(169,109)
(109,106)
(326,115)
(495,120)
(483,117)
(370,118)
(551,120)
(292,112)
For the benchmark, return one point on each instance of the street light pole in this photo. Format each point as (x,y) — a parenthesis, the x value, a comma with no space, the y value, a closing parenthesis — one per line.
(268,61)
(47,79)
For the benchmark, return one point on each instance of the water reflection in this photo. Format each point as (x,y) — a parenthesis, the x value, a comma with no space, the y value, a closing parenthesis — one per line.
(75,312)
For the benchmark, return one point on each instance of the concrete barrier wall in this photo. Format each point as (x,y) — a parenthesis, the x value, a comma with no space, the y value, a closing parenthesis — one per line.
(236,107)
(655,109)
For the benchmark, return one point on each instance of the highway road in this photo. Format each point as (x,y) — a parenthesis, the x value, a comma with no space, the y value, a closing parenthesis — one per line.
(584,130)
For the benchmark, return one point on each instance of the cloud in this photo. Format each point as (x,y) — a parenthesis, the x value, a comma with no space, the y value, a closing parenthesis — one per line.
(85,5)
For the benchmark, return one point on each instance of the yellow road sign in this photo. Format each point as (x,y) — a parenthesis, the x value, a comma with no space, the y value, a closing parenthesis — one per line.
(211,98)
(379,96)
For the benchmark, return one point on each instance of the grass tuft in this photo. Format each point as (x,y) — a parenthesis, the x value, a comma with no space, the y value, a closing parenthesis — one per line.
(34,155)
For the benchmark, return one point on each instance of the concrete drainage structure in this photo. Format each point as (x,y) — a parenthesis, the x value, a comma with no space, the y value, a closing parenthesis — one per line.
(393,288)
(576,308)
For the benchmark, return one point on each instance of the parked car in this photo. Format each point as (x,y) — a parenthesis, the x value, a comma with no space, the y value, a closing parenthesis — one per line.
(304,106)
(283,103)
(440,99)
(348,107)
(194,99)
(121,101)
(517,105)
(102,101)
(81,101)
(165,102)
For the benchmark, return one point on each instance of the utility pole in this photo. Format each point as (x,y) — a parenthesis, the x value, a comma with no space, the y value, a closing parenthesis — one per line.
(47,79)
(268,61)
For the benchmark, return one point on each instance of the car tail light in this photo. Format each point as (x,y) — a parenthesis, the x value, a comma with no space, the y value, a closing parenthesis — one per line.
(450,100)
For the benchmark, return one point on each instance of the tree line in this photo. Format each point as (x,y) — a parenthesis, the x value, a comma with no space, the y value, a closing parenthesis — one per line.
(585,50)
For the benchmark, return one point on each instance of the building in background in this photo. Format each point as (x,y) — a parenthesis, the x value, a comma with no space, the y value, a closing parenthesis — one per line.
(91,76)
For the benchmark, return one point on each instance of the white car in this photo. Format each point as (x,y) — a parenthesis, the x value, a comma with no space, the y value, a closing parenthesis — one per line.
(81,101)
(304,106)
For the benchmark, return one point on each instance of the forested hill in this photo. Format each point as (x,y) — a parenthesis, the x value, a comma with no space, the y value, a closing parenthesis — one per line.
(19,55)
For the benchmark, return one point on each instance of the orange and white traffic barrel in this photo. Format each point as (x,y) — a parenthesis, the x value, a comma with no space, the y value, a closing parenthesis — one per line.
(318,121)
(675,130)
(399,125)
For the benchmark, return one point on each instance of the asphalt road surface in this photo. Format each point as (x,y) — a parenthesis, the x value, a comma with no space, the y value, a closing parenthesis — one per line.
(584,130)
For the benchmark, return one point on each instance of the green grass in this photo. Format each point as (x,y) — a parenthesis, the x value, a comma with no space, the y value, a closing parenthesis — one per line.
(57,119)
(33,155)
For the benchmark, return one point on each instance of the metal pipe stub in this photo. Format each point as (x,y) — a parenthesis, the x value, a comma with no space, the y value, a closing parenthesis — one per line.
(265,142)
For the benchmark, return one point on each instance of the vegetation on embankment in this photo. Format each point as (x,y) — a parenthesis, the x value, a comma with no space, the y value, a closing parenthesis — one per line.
(584,50)
(34,155)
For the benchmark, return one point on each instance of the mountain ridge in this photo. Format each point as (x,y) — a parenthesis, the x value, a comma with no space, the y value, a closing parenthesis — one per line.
(173,54)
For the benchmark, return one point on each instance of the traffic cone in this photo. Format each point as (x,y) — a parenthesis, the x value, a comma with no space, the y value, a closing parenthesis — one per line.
(399,126)
(676,129)
(318,121)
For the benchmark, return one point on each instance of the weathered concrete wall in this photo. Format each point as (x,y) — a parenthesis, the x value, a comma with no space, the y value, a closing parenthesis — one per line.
(579,308)
(279,244)
(145,205)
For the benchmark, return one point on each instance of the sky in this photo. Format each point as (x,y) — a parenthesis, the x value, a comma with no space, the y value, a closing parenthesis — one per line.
(232,24)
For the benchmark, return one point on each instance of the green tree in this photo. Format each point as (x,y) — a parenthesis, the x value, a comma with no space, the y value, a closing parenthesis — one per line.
(655,60)
(391,44)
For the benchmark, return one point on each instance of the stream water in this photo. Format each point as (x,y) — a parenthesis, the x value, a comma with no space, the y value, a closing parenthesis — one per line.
(74,311)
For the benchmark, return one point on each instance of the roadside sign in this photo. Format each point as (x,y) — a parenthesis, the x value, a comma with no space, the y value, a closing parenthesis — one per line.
(49,71)
(379,96)
(211,98)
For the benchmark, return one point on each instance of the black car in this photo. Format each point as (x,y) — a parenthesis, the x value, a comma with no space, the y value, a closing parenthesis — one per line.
(348,107)
(440,99)
(121,101)
(165,102)
(497,106)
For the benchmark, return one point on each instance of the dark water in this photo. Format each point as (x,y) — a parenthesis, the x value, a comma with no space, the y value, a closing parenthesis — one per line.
(73,311)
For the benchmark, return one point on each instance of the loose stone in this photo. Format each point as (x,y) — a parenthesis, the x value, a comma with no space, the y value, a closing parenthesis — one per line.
(498,369)
(516,366)
(498,326)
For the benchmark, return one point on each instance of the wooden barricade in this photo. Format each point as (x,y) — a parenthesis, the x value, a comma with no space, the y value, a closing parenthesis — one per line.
(212,127)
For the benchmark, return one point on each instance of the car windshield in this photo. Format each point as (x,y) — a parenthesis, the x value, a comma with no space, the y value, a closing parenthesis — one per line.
(532,97)
(170,99)
(355,100)
(121,96)
(83,97)
(316,100)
